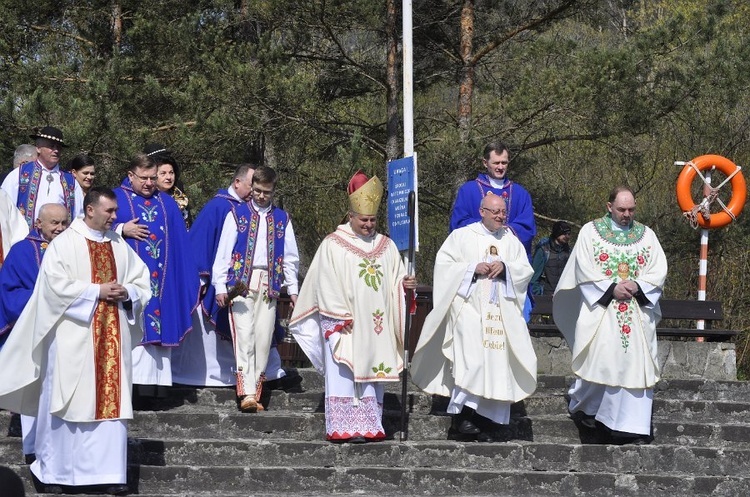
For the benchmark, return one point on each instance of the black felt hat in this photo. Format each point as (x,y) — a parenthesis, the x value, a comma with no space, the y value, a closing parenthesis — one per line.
(154,149)
(49,133)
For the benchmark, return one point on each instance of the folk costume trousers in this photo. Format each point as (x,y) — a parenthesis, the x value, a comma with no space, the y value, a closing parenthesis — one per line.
(251,320)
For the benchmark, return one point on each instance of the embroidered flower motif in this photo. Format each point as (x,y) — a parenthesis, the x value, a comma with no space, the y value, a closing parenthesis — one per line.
(603,257)
(626,329)
(377,319)
(152,236)
(152,247)
(624,320)
(622,307)
(147,202)
(381,371)
(641,260)
(608,272)
(155,274)
(371,273)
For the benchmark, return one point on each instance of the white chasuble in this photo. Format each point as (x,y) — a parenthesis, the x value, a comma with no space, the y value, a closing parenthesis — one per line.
(614,344)
(476,337)
(62,307)
(358,281)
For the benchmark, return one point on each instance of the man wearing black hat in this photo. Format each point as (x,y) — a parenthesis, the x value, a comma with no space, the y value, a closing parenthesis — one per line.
(550,257)
(43,182)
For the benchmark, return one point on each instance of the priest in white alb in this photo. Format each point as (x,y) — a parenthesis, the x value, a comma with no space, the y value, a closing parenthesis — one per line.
(607,306)
(475,346)
(349,317)
(69,360)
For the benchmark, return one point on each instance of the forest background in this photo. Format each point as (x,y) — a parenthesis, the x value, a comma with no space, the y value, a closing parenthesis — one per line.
(588,94)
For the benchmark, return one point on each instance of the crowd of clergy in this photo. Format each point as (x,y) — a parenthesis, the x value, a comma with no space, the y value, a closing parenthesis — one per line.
(111,296)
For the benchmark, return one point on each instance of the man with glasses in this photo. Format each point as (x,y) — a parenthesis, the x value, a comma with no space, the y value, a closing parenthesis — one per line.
(475,347)
(152,223)
(42,181)
(257,255)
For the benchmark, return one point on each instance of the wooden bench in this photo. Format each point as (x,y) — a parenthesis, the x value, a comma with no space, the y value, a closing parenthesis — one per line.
(678,321)
(675,313)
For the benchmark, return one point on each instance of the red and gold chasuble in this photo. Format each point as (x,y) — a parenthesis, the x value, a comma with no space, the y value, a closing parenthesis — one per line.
(106,335)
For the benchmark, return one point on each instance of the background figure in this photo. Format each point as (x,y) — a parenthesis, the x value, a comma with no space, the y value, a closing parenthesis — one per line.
(607,306)
(206,355)
(43,182)
(550,256)
(23,154)
(168,177)
(79,327)
(349,317)
(475,347)
(520,211)
(83,169)
(13,227)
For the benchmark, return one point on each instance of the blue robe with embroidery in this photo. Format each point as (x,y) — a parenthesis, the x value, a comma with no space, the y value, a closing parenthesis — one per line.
(174,278)
(204,241)
(247,218)
(520,212)
(17,278)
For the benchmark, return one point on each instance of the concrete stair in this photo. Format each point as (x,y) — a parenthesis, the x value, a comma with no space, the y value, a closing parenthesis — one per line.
(196,443)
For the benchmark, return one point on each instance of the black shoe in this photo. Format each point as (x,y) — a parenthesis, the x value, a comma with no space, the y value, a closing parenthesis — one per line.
(583,419)
(29,458)
(44,488)
(117,490)
(14,427)
(357,440)
(466,427)
(292,383)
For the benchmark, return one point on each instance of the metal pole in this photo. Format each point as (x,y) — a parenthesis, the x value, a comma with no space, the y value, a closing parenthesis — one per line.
(404,433)
(703,259)
(408,79)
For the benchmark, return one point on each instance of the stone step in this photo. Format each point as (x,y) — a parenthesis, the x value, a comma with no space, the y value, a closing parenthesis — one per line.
(434,481)
(204,424)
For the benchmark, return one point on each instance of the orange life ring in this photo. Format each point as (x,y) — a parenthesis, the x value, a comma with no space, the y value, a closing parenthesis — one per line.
(739,190)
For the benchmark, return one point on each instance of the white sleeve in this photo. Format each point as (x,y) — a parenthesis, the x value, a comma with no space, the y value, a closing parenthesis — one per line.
(291,261)
(10,185)
(82,308)
(223,258)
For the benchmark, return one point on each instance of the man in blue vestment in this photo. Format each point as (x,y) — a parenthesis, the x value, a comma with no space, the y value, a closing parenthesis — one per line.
(206,356)
(520,212)
(152,224)
(43,182)
(17,278)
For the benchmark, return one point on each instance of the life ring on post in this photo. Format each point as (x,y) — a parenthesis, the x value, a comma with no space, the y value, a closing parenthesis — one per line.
(699,214)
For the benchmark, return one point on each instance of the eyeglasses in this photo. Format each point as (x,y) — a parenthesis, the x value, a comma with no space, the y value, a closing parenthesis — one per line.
(145,179)
(264,193)
(499,212)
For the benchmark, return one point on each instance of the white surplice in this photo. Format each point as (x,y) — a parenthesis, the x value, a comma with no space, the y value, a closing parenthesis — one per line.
(475,345)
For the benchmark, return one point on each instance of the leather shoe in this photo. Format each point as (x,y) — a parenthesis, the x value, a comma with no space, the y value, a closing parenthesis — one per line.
(248,404)
(29,458)
(117,490)
(466,427)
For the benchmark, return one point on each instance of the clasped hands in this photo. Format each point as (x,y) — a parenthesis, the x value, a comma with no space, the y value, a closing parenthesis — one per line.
(113,292)
(625,290)
(489,269)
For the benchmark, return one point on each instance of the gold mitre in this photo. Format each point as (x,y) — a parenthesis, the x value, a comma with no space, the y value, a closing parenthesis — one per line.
(364,194)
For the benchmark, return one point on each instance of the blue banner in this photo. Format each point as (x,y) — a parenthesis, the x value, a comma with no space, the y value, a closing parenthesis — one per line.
(401,181)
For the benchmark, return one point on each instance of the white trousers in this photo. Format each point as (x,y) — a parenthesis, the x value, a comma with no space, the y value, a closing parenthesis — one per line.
(621,409)
(251,320)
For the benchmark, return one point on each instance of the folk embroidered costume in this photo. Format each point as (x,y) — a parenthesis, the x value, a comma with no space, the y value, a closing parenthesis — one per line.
(613,340)
(349,318)
(475,347)
(13,227)
(72,363)
(206,358)
(257,256)
(43,182)
(174,281)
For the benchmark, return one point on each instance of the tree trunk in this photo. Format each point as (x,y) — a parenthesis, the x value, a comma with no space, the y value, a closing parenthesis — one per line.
(466,86)
(392,88)
(116,25)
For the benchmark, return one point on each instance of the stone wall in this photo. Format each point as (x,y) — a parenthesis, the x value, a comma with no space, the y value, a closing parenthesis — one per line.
(705,360)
